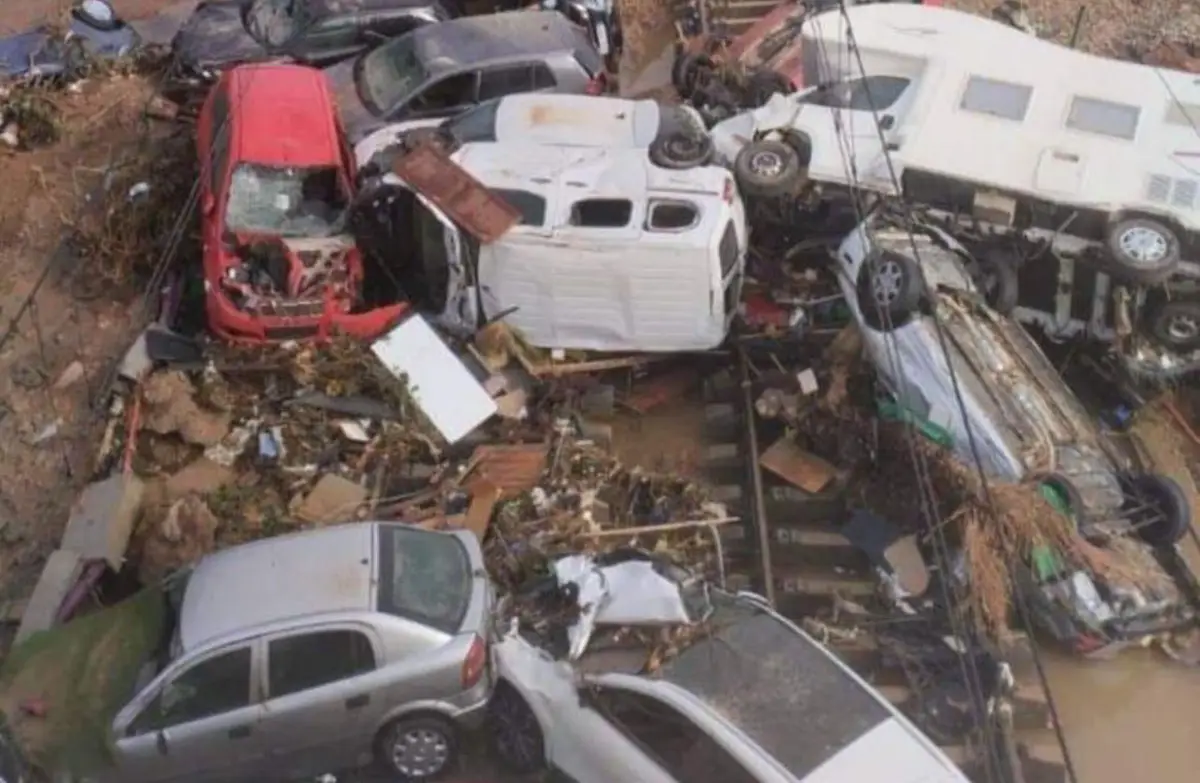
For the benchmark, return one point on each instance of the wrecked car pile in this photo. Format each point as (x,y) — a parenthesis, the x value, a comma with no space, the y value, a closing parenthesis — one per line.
(423,288)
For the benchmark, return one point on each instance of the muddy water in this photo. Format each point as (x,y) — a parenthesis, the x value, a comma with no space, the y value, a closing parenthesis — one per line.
(1131,719)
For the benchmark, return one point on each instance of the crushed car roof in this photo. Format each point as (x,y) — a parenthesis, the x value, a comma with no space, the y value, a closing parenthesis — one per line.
(448,46)
(277,579)
(284,116)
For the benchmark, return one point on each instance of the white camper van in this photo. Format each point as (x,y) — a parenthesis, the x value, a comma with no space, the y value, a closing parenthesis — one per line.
(977,118)
(613,252)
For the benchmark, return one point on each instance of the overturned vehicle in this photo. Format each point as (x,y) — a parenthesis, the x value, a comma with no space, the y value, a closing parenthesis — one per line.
(980,385)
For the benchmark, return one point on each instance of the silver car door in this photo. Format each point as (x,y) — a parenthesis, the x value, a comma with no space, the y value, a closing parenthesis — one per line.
(320,710)
(200,723)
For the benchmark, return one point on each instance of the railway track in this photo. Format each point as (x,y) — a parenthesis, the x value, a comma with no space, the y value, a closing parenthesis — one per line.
(790,550)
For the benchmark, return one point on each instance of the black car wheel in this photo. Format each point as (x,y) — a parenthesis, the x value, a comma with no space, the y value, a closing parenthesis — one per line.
(681,151)
(516,736)
(1176,325)
(418,749)
(686,71)
(1160,511)
(1144,250)
(768,168)
(997,279)
(889,290)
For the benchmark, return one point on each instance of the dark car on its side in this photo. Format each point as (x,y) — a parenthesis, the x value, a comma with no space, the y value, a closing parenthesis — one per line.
(441,70)
(223,33)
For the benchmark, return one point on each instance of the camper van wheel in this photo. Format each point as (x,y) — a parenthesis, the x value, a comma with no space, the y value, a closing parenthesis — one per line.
(889,290)
(997,279)
(681,151)
(685,72)
(1144,250)
(767,168)
(1176,324)
(1161,512)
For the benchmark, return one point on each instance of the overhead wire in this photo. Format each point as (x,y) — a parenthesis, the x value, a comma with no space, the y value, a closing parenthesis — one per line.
(969,671)
(909,221)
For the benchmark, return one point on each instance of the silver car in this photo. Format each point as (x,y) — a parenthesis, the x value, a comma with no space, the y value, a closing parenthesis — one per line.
(317,652)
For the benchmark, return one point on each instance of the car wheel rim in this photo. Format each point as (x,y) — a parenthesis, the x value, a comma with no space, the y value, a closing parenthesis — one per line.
(1145,246)
(420,753)
(1183,328)
(886,283)
(766,163)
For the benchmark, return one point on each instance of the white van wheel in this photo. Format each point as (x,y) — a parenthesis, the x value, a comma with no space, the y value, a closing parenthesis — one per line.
(767,168)
(1144,250)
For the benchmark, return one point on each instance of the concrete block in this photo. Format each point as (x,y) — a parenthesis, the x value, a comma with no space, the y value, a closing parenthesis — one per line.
(59,575)
(102,519)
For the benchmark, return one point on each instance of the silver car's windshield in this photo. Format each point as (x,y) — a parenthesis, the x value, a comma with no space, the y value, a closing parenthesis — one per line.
(390,74)
(424,576)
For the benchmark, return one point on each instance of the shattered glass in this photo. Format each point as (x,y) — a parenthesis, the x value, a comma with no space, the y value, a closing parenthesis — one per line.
(291,202)
(274,22)
(391,73)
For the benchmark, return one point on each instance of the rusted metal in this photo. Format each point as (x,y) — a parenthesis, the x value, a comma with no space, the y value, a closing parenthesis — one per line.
(511,468)
(466,200)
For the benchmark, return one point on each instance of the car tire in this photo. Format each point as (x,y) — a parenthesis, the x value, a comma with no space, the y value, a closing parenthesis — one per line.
(681,151)
(889,290)
(685,71)
(997,279)
(403,746)
(515,735)
(1170,513)
(1143,250)
(96,23)
(1176,325)
(768,168)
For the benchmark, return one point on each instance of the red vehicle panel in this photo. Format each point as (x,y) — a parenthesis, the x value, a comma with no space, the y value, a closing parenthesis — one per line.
(276,178)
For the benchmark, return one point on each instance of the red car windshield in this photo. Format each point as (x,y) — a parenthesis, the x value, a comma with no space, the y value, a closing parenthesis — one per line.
(290,202)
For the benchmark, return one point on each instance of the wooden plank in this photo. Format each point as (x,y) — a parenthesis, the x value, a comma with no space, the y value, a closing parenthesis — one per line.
(452,189)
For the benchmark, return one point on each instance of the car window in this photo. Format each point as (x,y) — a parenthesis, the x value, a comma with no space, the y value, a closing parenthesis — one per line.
(297,663)
(672,215)
(876,93)
(389,75)
(999,99)
(1104,118)
(728,250)
(220,139)
(531,206)
(448,93)
(602,212)
(275,22)
(543,77)
(670,739)
(424,576)
(214,686)
(475,124)
(498,82)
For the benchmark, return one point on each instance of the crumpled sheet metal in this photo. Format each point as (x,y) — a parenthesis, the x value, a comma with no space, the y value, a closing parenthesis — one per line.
(628,593)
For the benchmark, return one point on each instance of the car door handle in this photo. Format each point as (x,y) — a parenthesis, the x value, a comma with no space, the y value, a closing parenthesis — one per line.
(361,700)
(239,732)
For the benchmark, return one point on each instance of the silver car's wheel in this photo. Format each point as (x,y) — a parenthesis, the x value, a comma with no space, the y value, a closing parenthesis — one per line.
(1145,245)
(419,749)
(887,282)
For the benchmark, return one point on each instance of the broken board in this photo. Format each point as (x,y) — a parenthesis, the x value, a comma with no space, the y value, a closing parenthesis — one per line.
(797,466)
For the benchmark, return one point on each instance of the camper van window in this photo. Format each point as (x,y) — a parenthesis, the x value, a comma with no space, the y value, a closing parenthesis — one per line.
(999,99)
(531,206)
(1106,118)
(602,213)
(728,250)
(876,93)
(1185,114)
(672,216)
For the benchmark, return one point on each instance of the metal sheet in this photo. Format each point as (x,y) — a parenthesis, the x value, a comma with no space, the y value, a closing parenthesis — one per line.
(449,396)
(467,201)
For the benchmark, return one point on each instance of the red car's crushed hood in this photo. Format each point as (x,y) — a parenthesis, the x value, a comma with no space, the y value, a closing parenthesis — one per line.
(292,277)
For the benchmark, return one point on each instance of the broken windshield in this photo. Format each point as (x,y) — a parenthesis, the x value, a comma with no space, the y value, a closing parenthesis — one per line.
(424,576)
(290,202)
(390,74)
(275,22)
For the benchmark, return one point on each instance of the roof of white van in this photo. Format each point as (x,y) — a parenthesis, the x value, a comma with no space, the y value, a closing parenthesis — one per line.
(577,120)
(581,172)
(985,45)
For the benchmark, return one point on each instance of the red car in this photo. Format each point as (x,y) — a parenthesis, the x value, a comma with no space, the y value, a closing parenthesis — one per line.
(277,178)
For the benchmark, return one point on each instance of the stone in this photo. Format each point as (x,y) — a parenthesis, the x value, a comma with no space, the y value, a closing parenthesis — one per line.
(102,519)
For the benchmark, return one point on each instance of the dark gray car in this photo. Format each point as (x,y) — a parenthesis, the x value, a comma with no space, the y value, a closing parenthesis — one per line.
(441,70)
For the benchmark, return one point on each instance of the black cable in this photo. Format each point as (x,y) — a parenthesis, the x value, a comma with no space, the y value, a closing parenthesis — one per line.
(1019,599)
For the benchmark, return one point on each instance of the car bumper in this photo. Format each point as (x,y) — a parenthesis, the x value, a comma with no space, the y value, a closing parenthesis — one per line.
(236,326)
